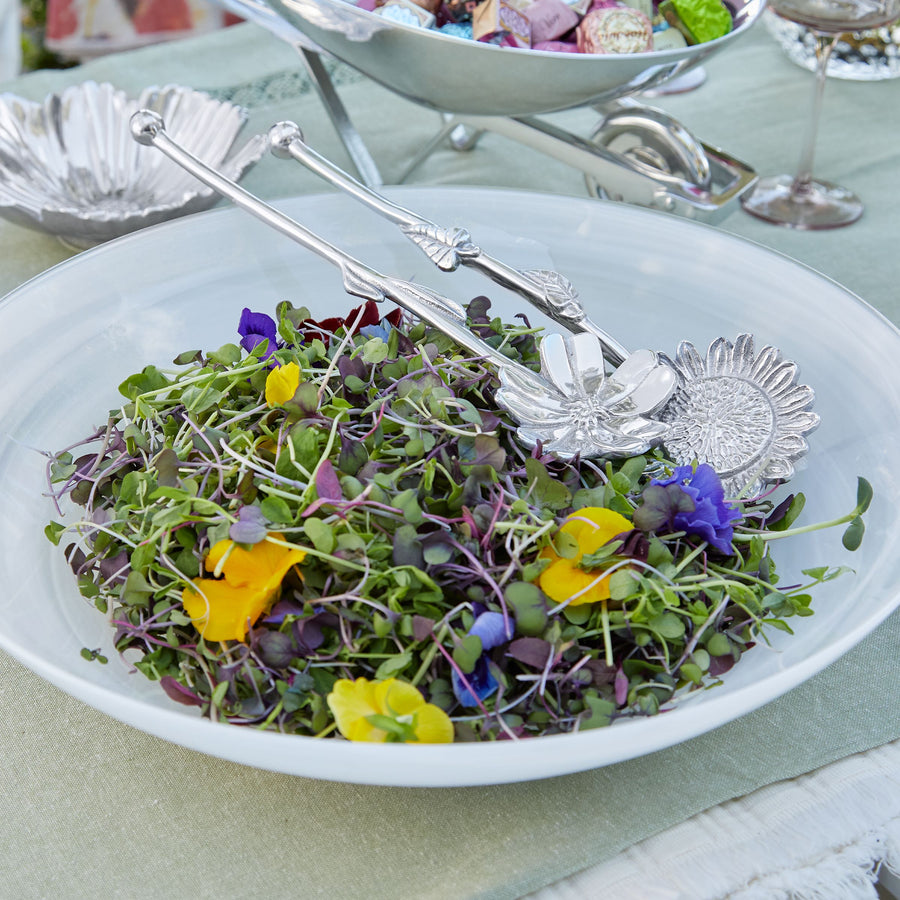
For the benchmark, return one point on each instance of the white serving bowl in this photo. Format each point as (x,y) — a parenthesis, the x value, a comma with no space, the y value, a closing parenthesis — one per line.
(651,278)
(70,166)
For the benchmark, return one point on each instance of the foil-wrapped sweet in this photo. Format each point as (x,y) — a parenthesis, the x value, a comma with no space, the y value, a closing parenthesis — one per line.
(406,12)
(500,18)
(615,29)
(566,26)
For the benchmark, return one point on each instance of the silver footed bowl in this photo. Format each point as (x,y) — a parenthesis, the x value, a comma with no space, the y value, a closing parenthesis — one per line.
(474,78)
(68,165)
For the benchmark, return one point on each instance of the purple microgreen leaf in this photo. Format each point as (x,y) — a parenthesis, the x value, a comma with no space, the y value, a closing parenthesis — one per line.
(328,487)
(251,526)
(422,626)
(179,693)
(532,651)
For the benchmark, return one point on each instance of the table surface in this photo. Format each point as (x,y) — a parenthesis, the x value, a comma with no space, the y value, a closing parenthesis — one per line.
(91,807)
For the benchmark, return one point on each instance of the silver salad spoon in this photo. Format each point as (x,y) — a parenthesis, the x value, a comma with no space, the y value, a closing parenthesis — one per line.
(741,412)
(448,248)
(574,407)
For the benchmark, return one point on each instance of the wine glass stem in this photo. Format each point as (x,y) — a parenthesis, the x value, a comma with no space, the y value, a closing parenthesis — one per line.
(824,46)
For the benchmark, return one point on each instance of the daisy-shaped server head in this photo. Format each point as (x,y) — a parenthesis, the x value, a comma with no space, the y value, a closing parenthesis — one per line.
(740,411)
(573,407)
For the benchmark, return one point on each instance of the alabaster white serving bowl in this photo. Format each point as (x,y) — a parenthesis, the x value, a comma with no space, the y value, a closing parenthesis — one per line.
(651,278)
(69,166)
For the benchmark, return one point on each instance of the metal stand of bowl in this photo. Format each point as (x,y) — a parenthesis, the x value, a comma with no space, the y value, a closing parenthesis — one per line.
(637,154)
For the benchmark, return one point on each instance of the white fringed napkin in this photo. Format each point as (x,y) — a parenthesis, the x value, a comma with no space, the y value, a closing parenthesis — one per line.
(822,836)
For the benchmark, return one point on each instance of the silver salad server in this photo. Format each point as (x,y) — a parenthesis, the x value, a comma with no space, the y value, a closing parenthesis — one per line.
(574,407)
(448,248)
(741,412)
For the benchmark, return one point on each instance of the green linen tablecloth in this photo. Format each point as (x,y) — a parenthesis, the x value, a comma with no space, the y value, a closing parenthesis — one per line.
(92,808)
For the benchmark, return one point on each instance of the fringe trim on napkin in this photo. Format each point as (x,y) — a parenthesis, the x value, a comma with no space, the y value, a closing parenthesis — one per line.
(822,836)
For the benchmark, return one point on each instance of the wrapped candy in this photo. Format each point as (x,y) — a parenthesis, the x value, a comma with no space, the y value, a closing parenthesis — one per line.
(406,13)
(556,46)
(698,20)
(598,26)
(617,29)
(497,17)
(550,19)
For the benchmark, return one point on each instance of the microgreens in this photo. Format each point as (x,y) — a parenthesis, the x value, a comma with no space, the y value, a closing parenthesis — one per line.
(338,520)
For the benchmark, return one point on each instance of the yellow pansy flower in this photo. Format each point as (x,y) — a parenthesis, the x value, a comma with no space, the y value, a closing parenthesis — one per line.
(592,527)
(224,608)
(356,703)
(282,383)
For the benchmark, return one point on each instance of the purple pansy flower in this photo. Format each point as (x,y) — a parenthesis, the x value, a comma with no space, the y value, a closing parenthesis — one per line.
(697,507)
(491,627)
(254,328)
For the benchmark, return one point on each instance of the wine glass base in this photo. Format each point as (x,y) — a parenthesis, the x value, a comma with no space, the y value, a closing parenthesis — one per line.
(820,205)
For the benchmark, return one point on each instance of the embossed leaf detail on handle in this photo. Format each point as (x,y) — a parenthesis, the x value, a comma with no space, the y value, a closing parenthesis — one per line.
(358,285)
(559,295)
(443,246)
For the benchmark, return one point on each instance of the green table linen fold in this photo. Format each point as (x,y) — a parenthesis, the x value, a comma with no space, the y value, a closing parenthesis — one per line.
(93,808)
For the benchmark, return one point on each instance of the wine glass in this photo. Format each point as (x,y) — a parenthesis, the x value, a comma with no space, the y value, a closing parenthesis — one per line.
(800,201)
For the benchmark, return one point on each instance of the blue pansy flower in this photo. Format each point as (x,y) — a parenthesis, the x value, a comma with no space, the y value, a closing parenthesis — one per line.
(711,516)
(382,330)
(254,328)
(491,627)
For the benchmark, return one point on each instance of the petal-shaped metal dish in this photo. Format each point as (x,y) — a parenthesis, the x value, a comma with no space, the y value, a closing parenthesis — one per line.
(68,164)
(462,76)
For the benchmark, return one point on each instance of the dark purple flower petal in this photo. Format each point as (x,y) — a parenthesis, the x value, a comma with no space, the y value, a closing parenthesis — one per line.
(254,328)
(284,608)
(481,681)
(711,517)
(363,315)
(490,627)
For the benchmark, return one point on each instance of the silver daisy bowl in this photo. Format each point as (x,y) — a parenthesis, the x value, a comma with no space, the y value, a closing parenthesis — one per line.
(68,165)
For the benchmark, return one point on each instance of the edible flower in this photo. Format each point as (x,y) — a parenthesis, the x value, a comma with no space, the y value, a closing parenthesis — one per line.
(388,710)
(364,316)
(564,579)
(224,608)
(282,383)
(492,629)
(254,328)
(689,500)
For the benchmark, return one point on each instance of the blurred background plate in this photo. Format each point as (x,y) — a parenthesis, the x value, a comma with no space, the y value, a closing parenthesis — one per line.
(70,336)
(872,55)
